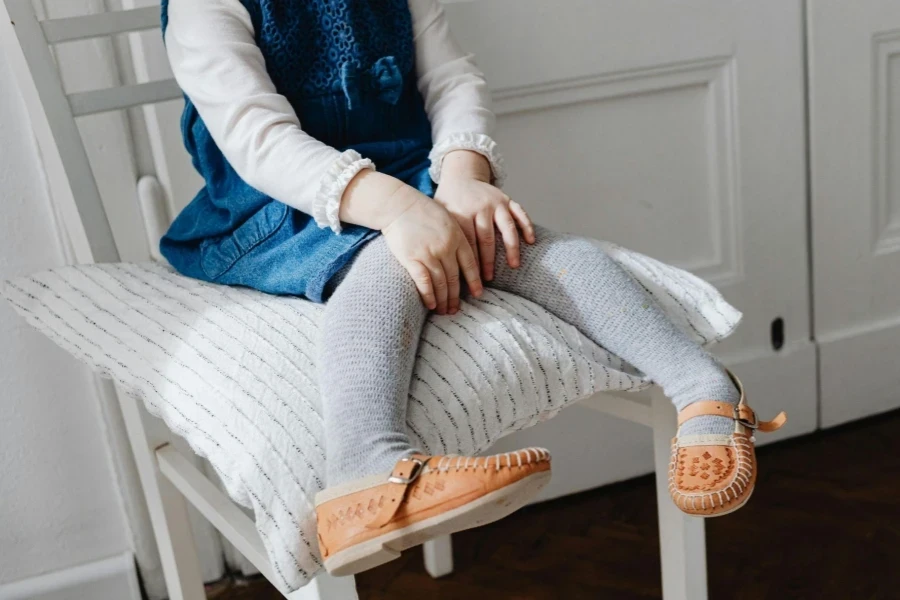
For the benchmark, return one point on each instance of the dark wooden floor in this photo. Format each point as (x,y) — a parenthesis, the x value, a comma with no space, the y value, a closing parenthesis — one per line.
(824,523)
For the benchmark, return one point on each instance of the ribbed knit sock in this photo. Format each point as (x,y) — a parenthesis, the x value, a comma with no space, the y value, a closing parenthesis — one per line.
(370,333)
(576,280)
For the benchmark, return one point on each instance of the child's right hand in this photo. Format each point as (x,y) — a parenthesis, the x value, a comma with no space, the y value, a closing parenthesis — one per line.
(424,237)
(432,247)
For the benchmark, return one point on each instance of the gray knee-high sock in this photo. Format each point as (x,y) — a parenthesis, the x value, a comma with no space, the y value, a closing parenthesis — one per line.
(370,333)
(577,281)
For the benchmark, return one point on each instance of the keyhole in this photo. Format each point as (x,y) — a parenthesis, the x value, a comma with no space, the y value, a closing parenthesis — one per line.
(777,333)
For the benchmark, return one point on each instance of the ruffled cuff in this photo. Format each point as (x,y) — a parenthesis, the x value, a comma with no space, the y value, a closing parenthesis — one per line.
(326,207)
(476,142)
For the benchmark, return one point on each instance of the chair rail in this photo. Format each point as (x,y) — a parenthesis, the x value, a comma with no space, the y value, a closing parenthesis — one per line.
(125,96)
(218,509)
(101,24)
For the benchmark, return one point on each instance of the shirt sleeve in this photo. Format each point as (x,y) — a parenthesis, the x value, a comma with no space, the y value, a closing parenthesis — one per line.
(456,94)
(216,62)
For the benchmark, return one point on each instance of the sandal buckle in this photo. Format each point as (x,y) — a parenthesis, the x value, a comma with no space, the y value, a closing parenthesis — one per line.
(418,465)
(754,424)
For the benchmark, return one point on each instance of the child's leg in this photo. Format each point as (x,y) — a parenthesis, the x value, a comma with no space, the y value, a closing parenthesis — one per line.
(577,281)
(372,326)
(370,333)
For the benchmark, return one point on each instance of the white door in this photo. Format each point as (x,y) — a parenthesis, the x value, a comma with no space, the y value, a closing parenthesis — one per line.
(675,128)
(854,51)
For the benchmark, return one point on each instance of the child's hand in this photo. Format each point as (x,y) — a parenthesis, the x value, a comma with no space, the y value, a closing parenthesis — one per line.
(430,245)
(478,206)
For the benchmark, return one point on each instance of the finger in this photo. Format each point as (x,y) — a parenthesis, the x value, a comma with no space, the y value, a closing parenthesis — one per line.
(523,220)
(510,235)
(468,264)
(422,278)
(451,271)
(487,244)
(439,281)
(468,227)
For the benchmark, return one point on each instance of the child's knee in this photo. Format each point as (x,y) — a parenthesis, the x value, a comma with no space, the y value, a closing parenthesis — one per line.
(546,240)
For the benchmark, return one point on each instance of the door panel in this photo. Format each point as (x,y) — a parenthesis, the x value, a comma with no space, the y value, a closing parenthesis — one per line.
(646,155)
(855,123)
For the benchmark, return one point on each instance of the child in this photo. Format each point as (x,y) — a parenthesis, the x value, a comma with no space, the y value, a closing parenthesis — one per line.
(291,105)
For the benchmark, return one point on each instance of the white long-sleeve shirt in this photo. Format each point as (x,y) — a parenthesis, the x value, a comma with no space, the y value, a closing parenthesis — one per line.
(215,59)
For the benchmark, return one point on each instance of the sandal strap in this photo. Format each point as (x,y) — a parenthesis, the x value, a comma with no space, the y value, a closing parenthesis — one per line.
(718,409)
(405,472)
(739,412)
(774,424)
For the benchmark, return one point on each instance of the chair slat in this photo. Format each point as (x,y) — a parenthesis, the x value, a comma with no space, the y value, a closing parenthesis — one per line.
(107,23)
(126,96)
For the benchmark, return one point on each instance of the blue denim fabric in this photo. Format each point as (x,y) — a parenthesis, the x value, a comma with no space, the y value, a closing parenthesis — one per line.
(233,234)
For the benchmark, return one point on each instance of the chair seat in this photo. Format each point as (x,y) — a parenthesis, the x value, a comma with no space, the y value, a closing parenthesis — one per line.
(233,372)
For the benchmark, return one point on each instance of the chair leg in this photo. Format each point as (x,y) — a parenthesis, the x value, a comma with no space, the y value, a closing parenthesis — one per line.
(166,505)
(328,587)
(682,538)
(438,556)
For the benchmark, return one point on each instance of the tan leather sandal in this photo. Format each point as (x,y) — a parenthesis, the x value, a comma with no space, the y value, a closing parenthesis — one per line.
(368,522)
(713,475)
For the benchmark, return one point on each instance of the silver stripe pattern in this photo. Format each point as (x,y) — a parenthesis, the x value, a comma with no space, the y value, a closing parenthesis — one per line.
(233,372)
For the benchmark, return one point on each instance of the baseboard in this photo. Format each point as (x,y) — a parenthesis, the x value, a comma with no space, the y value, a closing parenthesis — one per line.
(591,449)
(859,374)
(112,578)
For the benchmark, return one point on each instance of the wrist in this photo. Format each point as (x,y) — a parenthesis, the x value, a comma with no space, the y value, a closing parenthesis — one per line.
(375,200)
(466,164)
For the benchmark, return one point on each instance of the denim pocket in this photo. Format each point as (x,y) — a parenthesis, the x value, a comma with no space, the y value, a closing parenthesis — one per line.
(218,255)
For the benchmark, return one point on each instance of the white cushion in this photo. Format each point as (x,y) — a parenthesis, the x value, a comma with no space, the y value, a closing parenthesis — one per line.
(233,371)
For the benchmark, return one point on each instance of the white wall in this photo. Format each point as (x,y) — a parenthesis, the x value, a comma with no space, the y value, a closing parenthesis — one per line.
(59,504)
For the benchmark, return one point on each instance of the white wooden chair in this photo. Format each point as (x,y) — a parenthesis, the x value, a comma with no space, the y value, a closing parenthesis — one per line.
(168,479)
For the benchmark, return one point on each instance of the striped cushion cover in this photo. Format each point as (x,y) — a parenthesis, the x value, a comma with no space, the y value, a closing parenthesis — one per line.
(233,372)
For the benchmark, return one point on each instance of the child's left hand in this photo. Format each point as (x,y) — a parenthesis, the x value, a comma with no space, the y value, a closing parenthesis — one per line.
(478,207)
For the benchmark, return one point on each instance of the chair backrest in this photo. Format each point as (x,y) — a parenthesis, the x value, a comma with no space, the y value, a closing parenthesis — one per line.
(28,44)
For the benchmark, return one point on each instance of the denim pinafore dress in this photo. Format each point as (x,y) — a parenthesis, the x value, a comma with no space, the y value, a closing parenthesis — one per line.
(347,67)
